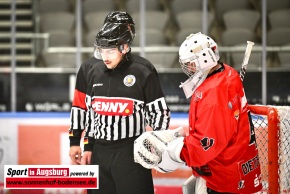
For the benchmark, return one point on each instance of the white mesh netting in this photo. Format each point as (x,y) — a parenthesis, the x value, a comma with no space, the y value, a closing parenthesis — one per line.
(261,129)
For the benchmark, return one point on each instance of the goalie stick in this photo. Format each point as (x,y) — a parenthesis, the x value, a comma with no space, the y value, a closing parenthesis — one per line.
(246,59)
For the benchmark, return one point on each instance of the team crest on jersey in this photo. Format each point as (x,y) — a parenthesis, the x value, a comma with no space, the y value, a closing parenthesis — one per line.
(113,106)
(237,114)
(197,95)
(129,80)
(206,143)
(241,184)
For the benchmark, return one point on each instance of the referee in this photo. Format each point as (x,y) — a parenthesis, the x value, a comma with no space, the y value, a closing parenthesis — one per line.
(123,96)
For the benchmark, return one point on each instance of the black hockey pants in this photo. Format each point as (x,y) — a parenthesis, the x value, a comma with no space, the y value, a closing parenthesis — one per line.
(118,173)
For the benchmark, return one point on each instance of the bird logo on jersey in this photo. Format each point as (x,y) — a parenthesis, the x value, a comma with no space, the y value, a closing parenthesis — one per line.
(206,143)
(129,80)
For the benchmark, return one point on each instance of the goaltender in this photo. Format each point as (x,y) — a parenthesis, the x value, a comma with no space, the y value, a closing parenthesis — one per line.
(221,145)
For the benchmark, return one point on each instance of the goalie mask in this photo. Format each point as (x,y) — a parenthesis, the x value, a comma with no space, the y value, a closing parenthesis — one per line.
(198,54)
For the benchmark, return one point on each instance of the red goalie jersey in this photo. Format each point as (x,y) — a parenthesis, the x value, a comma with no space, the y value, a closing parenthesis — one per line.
(221,146)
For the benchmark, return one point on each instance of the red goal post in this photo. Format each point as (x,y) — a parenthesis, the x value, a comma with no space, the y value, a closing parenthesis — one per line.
(272,129)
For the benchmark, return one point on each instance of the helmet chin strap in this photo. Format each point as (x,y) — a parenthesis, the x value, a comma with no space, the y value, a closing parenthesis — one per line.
(190,85)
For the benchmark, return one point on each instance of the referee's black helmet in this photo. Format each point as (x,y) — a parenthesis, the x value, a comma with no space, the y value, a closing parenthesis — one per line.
(118,29)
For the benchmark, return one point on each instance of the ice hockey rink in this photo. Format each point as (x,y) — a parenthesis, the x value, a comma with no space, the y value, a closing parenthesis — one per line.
(43,43)
(26,132)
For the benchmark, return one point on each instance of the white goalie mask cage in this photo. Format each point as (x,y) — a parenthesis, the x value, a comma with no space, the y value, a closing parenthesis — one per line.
(198,54)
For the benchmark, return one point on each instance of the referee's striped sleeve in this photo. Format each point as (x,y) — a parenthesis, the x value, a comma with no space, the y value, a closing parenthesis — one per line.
(158,114)
(89,138)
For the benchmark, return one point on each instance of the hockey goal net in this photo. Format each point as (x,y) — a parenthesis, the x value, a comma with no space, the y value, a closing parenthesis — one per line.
(272,129)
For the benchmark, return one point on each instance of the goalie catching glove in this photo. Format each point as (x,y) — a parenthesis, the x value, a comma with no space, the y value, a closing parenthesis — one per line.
(160,149)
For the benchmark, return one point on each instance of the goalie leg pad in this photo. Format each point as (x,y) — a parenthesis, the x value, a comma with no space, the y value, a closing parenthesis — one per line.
(200,186)
(194,185)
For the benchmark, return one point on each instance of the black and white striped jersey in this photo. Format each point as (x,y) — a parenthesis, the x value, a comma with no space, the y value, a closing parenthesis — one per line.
(121,102)
(79,108)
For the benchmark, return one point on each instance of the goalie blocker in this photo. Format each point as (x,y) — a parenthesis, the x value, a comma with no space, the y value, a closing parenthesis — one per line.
(160,149)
